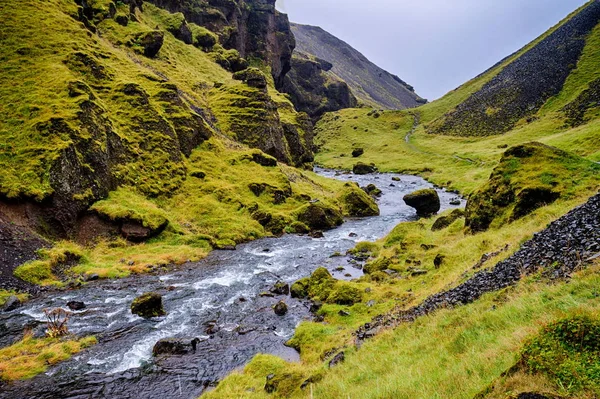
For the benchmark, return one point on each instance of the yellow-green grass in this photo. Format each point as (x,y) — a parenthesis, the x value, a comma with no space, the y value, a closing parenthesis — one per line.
(5,294)
(453,353)
(32,356)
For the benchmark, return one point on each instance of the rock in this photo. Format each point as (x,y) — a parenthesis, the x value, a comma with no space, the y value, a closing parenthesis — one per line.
(280,308)
(426,202)
(76,305)
(316,234)
(299,289)
(455,201)
(11,304)
(134,231)
(281,288)
(418,272)
(352,235)
(531,198)
(148,305)
(151,42)
(320,217)
(444,221)
(316,306)
(344,313)
(339,358)
(372,190)
(175,346)
(253,77)
(438,261)
(363,169)
(357,202)
(91,277)
(396,178)
(345,294)
(357,152)
(263,159)
(266,294)
(122,19)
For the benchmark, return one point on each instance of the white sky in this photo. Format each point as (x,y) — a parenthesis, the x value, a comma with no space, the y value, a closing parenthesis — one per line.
(434,45)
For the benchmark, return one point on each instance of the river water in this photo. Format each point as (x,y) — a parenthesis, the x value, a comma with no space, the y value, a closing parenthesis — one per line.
(215,300)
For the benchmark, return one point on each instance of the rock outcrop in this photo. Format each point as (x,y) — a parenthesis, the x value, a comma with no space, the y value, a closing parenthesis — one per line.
(253,27)
(313,90)
(148,305)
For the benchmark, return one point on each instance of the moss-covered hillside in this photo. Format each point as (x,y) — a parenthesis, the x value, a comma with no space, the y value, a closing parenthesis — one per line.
(122,122)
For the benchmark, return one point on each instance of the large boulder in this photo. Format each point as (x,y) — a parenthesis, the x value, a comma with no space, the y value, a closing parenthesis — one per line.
(151,42)
(357,202)
(280,308)
(175,346)
(426,202)
(320,217)
(148,305)
(363,169)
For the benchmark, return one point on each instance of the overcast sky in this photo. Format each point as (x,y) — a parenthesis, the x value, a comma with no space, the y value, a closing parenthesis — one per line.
(435,45)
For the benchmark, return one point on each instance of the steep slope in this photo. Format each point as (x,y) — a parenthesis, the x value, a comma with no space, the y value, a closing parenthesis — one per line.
(313,89)
(524,84)
(370,84)
(122,122)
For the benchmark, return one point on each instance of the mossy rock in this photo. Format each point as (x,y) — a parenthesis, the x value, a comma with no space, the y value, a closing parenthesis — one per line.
(299,228)
(148,305)
(203,38)
(150,42)
(357,203)
(317,287)
(357,152)
(377,265)
(527,177)
(426,202)
(363,169)
(345,294)
(300,288)
(320,217)
(253,77)
(445,221)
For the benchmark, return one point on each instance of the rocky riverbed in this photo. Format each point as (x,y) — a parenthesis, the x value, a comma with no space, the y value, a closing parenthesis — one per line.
(216,302)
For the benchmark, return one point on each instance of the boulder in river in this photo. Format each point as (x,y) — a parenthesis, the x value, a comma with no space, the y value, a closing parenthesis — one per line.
(148,305)
(175,346)
(76,305)
(280,308)
(363,169)
(281,288)
(11,303)
(318,216)
(426,202)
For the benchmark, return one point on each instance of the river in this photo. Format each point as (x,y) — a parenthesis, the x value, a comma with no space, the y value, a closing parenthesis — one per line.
(216,300)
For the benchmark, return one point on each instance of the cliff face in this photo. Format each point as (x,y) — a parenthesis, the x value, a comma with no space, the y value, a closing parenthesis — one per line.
(370,84)
(135,90)
(315,91)
(252,27)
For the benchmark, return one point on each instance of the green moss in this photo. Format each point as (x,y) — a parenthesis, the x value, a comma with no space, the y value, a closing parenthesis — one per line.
(202,37)
(356,202)
(345,294)
(125,204)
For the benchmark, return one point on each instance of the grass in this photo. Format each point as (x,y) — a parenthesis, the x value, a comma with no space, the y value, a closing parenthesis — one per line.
(32,356)
(5,294)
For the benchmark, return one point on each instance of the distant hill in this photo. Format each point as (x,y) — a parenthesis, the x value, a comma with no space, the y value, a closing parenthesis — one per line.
(370,84)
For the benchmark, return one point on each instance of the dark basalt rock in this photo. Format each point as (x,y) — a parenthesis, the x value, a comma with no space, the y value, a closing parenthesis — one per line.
(372,190)
(148,305)
(426,202)
(134,231)
(11,304)
(363,169)
(76,305)
(175,346)
(357,152)
(280,288)
(532,198)
(280,308)
(151,42)
(337,359)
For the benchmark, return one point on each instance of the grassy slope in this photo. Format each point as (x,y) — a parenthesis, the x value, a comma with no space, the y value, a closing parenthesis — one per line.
(452,353)
(202,212)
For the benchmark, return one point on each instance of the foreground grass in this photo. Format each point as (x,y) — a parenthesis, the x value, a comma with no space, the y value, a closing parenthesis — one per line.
(32,356)
(454,353)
